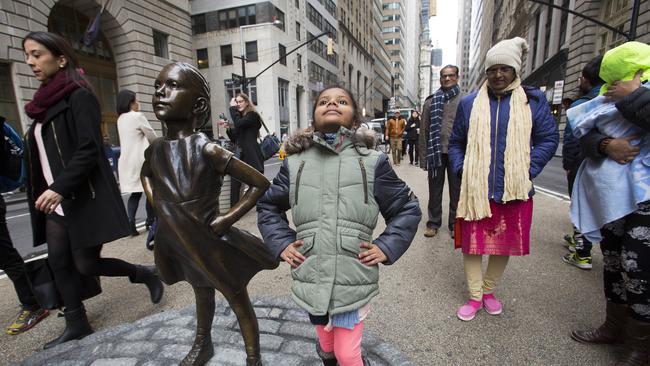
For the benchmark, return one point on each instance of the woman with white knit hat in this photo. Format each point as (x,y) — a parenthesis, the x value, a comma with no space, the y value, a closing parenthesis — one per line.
(503,135)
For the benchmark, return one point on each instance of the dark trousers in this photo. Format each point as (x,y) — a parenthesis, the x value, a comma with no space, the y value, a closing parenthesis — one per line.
(12,263)
(626,259)
(436,185)
(132,208)
(413,149)
(583,246)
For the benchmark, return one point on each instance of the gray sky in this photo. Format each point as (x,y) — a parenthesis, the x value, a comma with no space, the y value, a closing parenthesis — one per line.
(443,29)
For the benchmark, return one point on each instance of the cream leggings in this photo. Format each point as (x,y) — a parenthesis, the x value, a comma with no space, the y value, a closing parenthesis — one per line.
(478,283)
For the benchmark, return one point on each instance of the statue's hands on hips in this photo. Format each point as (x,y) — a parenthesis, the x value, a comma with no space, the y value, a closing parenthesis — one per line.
(220,224)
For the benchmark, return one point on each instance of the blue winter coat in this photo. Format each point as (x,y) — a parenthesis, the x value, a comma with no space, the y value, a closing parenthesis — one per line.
(544,137)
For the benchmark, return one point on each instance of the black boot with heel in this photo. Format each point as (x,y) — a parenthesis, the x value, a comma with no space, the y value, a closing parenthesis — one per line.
(76,327)
(149,277)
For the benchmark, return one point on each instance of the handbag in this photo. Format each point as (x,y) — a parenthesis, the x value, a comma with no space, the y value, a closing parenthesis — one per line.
(270,145)
(41,280)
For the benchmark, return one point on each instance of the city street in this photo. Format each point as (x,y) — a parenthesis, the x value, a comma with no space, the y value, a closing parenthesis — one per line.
(543,297)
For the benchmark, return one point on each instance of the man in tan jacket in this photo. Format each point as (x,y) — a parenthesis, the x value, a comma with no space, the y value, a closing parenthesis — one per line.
(394,131)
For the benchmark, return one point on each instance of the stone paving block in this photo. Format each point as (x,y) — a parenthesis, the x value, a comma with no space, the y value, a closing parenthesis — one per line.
(183,321)
(301,348)
(298,329)
(160,363)
(267,342)
(160,317)
(223,336)
(137,335)
(115,362)
(174,333)
(265,325)
(225,321)
(296,315)
(281,359)
(175,351)
(105,334)
(94,351)
(276,313)
(135,348)
(230,355)
(279,302)
(66,363)
(262,312)
(369,340)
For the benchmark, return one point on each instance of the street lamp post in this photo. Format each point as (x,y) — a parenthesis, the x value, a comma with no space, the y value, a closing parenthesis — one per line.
(244,84)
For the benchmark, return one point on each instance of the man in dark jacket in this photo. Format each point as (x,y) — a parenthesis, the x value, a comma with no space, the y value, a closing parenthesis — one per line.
(438,114)
(572,157)
(12,263)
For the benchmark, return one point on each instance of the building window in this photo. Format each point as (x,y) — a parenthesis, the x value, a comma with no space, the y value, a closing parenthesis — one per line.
(279,15)
(390,6)
(226,55)
(297,4)
(283,54)
(202,58)
(283,92)
(233,88)
(298,31)
(160,44)
(236,17)
(251,51)
(317,19)
(320,48)
(199,24)
(298,62)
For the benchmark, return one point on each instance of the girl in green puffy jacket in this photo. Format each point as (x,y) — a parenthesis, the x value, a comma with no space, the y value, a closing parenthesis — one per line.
(336,186)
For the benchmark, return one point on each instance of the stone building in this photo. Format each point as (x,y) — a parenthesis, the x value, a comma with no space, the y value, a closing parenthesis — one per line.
(137,39)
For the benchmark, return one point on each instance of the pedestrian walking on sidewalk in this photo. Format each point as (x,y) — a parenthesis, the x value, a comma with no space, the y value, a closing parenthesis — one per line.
(336,185)
(74,201)
(135,136)
(182,175)
(589,85)
(412,131)
(503,136)
(394,133)
(10,260)
(612,187)
(438,114)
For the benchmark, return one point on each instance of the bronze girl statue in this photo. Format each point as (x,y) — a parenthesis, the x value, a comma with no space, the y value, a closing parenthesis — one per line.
(182,176)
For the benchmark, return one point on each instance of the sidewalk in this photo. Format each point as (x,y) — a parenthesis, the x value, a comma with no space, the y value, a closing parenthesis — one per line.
(415,312)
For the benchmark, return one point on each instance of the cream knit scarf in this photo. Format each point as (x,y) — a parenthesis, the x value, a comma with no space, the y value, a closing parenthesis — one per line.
(473,203)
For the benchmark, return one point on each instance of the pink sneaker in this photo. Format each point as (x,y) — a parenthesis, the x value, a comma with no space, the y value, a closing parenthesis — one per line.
(491,304)
(468,310)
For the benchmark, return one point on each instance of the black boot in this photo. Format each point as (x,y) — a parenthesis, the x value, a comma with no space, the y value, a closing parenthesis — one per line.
(637,344)
(149,277)
(201,352)
(328,357)
(76,327)
(134,230)
(612,330)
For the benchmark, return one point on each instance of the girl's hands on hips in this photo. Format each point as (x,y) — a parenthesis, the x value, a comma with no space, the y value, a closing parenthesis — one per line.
(48,201)
(291,254)
(372,256)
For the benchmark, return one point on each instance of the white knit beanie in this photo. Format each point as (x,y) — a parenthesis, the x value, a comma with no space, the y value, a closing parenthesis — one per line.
(507,52)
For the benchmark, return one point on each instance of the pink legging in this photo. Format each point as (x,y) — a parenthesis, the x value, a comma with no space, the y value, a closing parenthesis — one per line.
(345,343)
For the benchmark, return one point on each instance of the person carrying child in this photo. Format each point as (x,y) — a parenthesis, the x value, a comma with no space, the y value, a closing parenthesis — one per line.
(336,187)
(182,177)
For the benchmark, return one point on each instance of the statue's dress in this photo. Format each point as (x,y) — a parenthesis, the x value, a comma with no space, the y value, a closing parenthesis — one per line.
(186,184)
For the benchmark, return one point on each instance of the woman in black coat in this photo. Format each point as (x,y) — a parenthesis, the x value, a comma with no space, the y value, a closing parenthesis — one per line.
(74,201)
(412,128)
(244,132)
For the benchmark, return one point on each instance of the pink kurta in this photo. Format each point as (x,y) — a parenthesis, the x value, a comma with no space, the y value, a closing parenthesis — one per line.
(507,232)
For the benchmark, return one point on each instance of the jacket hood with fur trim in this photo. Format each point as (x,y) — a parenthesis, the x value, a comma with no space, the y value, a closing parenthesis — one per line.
(303,139)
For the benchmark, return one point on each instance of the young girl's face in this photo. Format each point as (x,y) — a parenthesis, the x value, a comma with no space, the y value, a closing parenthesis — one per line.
(334,109)
(173,99)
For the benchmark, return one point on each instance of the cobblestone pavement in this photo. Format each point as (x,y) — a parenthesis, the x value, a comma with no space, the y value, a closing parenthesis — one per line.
(286,337)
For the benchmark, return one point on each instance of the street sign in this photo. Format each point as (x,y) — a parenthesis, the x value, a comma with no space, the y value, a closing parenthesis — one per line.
(236,78)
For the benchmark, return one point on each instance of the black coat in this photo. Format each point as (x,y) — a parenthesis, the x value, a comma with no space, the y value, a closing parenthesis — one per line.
(244,135)
(92,204)
(412,132)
